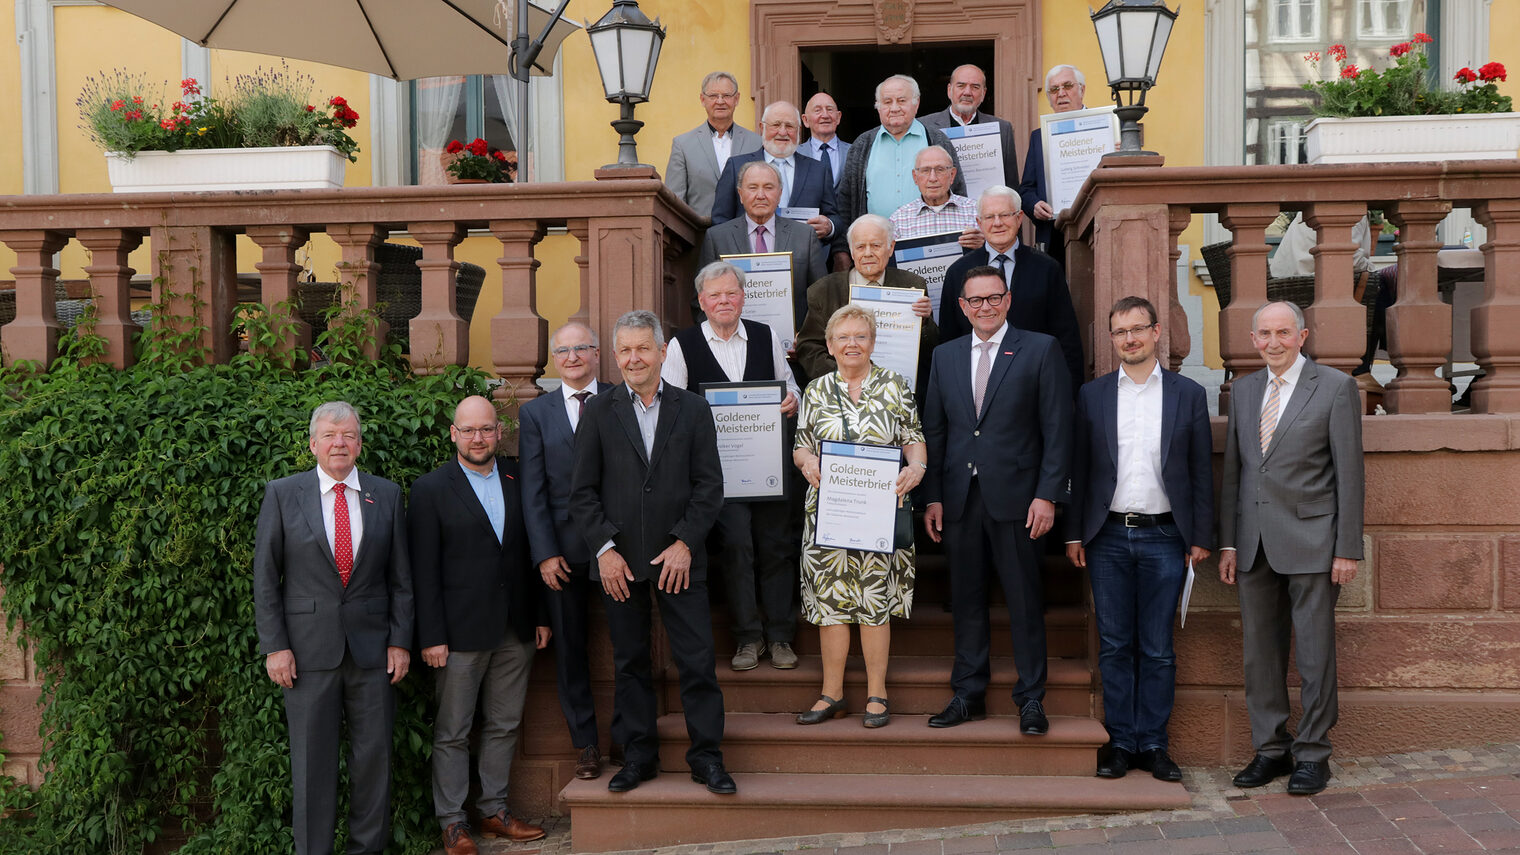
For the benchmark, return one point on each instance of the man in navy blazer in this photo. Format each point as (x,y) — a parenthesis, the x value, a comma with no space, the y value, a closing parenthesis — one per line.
(1065,88)
(998,424)
(1142,508)
(546,446)
(805,183)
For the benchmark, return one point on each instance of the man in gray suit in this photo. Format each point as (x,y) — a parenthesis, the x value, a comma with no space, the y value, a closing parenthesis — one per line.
(332,592)
(1290,533)
(966,91)
(698,156)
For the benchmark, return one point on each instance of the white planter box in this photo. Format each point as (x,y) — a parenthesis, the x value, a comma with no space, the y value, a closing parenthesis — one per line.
(284,168)
(1390,139)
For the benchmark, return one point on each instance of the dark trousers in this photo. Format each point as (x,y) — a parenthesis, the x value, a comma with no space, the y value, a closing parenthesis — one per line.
(688,625)
(567,620)
(980,548)
(1137,576)
(761,581)
(315,708)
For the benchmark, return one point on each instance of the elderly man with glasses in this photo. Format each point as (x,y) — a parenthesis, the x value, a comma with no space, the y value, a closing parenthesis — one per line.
(806,184)
(698,156)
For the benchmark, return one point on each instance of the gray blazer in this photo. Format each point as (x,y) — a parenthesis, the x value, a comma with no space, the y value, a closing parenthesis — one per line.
(943,119)
(852,184)
(1301,502)
(732,238)
(692,172)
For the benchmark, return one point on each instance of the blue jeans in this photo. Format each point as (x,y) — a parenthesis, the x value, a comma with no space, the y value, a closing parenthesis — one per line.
(1137,576)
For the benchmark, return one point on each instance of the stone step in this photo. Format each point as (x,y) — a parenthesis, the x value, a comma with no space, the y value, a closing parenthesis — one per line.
(917,685)
(774,742)
(672,810)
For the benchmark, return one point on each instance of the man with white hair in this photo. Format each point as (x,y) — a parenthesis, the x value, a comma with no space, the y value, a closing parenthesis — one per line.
(936,211)
(1065,88)
(698,156)
(966,91)
(805,183)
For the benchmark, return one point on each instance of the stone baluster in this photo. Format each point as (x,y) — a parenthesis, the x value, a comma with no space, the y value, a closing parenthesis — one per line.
(439,336)
(1419,324)
(1179,339)
(358,274)
(33,335)
(195,285)
(1497,316)
(519,337)
(1248,289)
(1337,322)
(278,273)
(578,229)
(110,284)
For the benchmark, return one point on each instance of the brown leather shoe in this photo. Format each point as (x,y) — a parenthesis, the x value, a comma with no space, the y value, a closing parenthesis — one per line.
(456,840)
(510,827)
(589,766)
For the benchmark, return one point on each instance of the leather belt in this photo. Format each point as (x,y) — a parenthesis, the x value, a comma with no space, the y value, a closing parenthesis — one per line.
(1133,520)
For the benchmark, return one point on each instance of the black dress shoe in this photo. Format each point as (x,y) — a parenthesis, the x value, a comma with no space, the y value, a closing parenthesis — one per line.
(959,711)
(1113,762)
(1160,764)
(631,775)
(716,778)
(1262,770)
(1032,720)
(1309,777)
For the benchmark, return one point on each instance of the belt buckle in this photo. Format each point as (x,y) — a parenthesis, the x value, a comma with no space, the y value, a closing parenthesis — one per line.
(1130,516)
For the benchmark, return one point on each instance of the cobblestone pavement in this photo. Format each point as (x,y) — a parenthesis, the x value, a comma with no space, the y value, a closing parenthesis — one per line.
(1431,801)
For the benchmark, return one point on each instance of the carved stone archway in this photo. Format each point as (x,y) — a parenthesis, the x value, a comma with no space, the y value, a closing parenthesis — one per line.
(781,29)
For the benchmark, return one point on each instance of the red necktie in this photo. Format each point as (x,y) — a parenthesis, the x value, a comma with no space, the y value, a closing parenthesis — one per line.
(343,542)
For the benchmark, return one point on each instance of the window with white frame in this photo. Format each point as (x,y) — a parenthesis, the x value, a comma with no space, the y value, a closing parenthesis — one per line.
(1294,20)
(1383,19)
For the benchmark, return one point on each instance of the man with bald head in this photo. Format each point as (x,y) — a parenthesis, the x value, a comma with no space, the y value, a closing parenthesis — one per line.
(805,183)
(966,91)
(479,618)
(821,117)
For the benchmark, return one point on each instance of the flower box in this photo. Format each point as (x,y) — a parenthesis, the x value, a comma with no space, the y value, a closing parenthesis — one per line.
(1389,139)
(210,169)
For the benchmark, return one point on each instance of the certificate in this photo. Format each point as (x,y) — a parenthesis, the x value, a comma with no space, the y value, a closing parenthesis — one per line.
(751,441)
(929,257)
(799,214)
(979,148)
(768,292)
(1074,143)
(857,502)
(897,328)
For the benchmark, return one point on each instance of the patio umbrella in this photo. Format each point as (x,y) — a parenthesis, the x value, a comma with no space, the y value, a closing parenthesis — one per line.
(400,39)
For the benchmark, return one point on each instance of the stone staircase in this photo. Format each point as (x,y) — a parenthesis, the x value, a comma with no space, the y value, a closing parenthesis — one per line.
(841,777)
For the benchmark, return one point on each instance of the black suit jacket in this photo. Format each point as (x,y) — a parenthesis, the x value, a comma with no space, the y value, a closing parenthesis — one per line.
(546,449)
(1032,188)
(812,187)
(1187,448)
(1041,303)
(470,589)
(644,502)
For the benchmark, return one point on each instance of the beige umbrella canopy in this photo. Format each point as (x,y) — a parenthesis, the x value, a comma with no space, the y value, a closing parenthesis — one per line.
(400,39)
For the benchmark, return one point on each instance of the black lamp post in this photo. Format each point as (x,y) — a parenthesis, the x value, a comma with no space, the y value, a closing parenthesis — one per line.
(627,49)
(1132,35)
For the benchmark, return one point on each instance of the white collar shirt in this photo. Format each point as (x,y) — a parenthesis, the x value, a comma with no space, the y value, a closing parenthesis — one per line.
(572,406)
(732,355)
(1138,486)
(723,145)
(325,484)
(1295,371)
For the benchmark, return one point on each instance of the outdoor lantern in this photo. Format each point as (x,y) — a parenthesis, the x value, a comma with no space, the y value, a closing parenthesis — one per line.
(627,49)
(1132,35)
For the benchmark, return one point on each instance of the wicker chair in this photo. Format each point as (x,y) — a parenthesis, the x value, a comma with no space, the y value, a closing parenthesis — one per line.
(398,290)
(1292,289)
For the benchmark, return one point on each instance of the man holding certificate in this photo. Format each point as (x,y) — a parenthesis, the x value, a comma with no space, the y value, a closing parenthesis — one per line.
(807,186)
(998,424)
(1065,87)
(987,153)
(753,535)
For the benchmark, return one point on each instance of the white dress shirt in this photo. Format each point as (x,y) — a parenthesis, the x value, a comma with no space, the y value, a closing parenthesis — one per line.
(572,406)
(325,483)
(732,355)
(1291,376)
(1138,487)
(723,145)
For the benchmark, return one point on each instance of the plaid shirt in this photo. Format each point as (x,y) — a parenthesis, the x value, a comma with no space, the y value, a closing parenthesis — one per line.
(916,219)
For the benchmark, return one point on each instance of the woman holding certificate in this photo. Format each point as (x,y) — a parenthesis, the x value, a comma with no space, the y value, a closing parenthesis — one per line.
(869,405)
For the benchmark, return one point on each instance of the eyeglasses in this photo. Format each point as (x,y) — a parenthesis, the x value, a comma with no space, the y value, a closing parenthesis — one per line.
(999,216)
(471,433)
(993,300)
(1121,335)
(1064,87)
(781,126)
(851,339)
(578,350)
(934,170)
(721,96)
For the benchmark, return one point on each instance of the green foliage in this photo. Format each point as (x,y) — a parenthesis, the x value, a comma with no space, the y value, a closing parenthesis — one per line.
(131,499)
(1403,88)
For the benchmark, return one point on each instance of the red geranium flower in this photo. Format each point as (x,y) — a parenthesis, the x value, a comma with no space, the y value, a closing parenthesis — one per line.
(1400,49)
(136,99)
(310,109)
(189,86)
(1422,39)
(500,156)
(454,147)
(134,115)
(118,105)
(1350,72)
(1465,75)
(1491,72)
(478,147)
(1312,56)
(337,101)
(1336,52)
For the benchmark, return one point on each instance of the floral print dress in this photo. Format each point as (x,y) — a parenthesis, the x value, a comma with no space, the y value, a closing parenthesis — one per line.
(842,586)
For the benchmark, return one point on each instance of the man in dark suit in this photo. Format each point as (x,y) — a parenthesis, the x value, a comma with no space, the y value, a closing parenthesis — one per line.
(1142,509)
(698,156)
(546,446)
(333,597)
(760,230)
(646,490)
(477,606)
(1290,532)
(1041,299)
(1065,88)
(821,117)
(998,424)
(805,183)
(966,91)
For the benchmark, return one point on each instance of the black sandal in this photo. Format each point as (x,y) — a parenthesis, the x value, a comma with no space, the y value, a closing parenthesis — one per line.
(835,709)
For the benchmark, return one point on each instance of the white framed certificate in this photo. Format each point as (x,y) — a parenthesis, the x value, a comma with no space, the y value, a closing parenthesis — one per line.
(929,257)
(979,148)
(857,502)
(751,438)
(1074,143)
(768,292)
(801,215)
(897,328)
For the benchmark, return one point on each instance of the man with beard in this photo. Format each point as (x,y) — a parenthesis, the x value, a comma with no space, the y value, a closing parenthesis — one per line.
(805,183)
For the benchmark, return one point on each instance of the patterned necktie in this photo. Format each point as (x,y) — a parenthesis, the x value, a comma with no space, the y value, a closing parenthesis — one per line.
(1269,412)
(580,398)
(343,541)
(760,240)
(983,371)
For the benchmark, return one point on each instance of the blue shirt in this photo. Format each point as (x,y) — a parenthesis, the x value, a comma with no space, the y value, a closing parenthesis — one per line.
(889,171)
(488,490)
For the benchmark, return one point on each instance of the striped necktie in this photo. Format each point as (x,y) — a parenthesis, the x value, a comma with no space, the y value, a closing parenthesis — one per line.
(1269,412)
